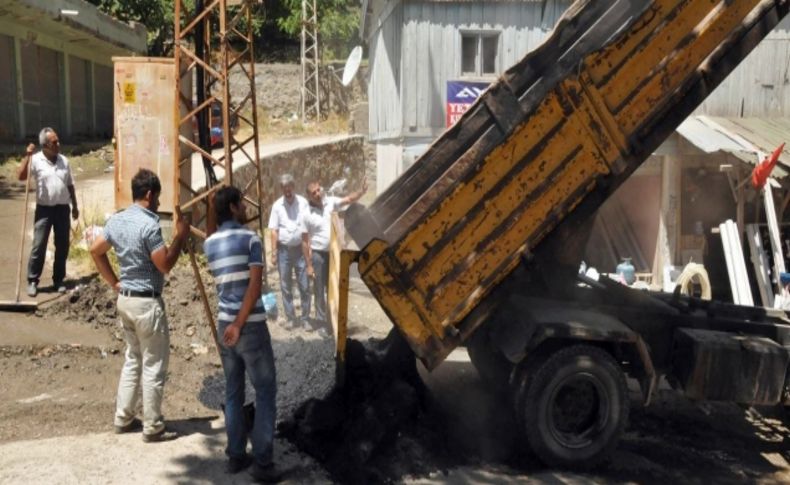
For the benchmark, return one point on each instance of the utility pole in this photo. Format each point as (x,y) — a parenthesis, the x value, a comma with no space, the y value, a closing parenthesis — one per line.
(311,106)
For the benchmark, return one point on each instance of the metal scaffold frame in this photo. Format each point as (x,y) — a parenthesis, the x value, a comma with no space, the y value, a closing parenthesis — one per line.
(210,59)
(207,60)
(311,106)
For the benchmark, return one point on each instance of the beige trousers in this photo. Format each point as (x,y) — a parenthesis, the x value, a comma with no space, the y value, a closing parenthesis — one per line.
(147,353)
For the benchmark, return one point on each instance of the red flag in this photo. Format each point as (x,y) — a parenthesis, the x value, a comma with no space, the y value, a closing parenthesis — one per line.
(763,170)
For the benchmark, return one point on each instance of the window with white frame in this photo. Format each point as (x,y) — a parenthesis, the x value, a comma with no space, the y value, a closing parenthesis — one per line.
(479,54)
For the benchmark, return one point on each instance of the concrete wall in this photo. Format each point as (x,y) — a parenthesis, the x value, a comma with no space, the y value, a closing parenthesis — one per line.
(56,70)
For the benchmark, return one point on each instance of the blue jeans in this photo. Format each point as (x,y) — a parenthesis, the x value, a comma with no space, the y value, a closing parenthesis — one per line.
(290,259)
(321,268)
(253,353)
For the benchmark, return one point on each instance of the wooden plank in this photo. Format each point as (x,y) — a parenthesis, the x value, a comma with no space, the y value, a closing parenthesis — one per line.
(773,230)
(435,101)
(736,267)
(760,263)
(341,256)
(728,252)
(452,42)
(410,52)
(423,68)
(743,276)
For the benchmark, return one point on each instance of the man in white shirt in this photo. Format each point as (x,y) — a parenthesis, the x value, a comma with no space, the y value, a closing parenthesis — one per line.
(54,192)
(316,245)
(286,224)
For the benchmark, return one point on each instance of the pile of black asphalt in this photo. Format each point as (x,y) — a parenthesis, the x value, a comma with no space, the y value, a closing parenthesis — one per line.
(377,426)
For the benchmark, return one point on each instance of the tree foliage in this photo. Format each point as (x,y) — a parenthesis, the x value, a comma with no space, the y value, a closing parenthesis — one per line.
(338,24)
(156,15)
(338,21)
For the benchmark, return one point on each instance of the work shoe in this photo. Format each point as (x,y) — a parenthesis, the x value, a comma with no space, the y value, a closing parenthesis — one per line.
(32,289)
(135,425)
(266,474)
(235,465)
(160,436)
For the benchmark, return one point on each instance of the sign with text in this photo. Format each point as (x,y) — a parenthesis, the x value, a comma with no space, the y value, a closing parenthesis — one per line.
(460,96)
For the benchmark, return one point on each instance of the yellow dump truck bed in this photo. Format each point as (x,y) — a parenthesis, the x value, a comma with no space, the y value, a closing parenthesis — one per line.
(575,117)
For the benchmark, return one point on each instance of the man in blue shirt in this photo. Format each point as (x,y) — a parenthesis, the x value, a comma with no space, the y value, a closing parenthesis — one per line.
(144,259)
(235,259)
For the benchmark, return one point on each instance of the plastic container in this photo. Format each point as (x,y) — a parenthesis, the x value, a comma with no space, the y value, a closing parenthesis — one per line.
(270,305)
(627,271)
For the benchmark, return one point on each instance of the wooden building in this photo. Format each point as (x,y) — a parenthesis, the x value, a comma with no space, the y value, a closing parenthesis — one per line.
(417,46)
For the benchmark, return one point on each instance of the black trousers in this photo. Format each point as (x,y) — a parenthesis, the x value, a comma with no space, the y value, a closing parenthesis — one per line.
(47,218)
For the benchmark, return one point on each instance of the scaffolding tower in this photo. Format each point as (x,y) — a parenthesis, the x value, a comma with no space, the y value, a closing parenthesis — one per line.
(311,106)
(206,62)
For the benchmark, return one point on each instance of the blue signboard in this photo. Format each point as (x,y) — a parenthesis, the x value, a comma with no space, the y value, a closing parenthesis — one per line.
(460,96)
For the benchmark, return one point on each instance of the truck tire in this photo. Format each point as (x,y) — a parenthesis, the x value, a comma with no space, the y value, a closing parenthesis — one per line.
(574,407)
(493,368)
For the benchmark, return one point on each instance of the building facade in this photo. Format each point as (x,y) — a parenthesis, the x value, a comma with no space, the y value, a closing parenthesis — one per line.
(417,47)
(56,67)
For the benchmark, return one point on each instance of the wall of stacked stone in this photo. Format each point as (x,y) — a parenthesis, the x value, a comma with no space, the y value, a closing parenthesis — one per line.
(327,163)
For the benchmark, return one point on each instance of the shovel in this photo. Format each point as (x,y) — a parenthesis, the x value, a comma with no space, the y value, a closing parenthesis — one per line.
(16,305)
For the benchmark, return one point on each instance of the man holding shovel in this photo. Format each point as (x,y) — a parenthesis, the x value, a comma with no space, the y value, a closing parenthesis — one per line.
(235,259)
(54,192)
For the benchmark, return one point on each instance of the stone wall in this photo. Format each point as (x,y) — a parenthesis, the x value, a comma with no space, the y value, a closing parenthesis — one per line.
(326,162)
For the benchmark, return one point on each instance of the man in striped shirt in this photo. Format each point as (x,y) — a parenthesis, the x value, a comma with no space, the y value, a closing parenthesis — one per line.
(235,258)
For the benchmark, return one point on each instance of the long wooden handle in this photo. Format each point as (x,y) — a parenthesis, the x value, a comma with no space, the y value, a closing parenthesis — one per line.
(203,295)
(24,225)
(201,287)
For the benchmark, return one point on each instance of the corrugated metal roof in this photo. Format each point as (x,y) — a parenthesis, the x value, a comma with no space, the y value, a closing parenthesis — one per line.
(749,139)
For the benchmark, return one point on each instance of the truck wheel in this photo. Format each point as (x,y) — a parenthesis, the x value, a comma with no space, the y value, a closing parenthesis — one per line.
(574,407)
(493,368)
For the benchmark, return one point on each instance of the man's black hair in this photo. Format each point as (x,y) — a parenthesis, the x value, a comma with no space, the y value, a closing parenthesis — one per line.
(144,181)
(226,196)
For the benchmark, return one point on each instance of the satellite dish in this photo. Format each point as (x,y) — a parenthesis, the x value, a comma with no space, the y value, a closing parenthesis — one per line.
(352,65)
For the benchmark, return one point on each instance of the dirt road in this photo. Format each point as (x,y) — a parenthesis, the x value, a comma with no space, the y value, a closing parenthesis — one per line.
(56,406)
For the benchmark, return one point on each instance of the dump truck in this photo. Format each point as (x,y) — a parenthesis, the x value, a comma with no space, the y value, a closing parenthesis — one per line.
(478,244)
